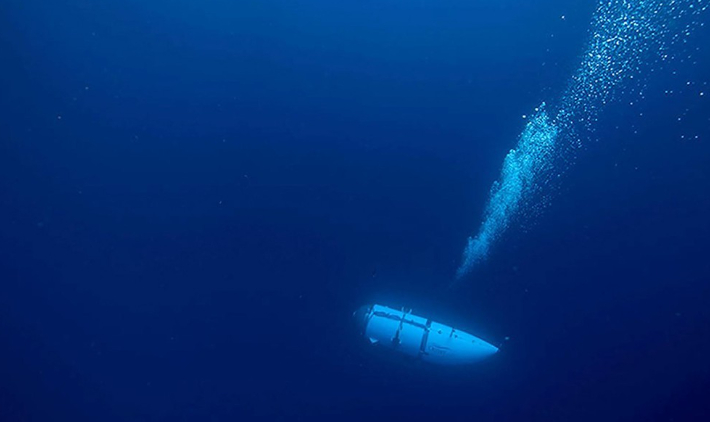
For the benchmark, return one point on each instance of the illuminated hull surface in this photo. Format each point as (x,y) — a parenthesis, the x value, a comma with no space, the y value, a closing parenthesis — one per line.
(420,337)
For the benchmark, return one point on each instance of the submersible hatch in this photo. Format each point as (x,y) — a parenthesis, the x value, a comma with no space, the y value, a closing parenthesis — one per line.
(420,337)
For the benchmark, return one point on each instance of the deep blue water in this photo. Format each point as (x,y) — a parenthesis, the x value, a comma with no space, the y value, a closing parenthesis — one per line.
(195,196)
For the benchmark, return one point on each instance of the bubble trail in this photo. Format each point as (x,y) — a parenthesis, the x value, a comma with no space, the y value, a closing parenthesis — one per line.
(626,36)
(519,178)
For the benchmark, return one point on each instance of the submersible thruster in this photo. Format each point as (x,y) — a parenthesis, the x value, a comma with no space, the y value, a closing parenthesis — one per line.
(420,337)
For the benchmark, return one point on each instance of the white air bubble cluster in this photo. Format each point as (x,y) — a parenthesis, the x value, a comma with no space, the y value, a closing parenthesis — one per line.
(626,38)
(520,177)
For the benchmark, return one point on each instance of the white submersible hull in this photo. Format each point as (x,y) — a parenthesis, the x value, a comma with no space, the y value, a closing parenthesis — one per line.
(420,337)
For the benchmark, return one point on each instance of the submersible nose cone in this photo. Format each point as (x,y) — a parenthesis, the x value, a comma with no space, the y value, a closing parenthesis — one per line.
(489,349)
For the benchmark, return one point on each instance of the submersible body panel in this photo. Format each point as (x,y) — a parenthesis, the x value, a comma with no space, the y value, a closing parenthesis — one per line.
(420,337)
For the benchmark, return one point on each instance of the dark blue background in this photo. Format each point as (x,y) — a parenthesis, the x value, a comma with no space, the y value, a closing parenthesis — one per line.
(194,197)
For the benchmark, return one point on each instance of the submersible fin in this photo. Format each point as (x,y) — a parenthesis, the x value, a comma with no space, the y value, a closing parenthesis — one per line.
(420,337)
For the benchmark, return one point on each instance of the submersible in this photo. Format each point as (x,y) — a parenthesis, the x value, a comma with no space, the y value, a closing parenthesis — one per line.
(420,337)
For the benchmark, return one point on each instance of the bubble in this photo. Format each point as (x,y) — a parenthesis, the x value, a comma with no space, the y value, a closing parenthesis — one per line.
(626,39)
(520,178)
